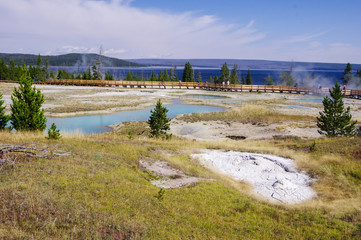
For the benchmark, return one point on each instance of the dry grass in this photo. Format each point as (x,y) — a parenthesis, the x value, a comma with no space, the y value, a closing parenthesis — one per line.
(247,113)
(100,193)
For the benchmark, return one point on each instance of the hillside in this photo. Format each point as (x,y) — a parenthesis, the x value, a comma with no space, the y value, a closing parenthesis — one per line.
(72,59)
(246,64)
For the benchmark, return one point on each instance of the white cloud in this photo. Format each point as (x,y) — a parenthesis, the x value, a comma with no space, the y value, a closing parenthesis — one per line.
(83,25)
(305,38)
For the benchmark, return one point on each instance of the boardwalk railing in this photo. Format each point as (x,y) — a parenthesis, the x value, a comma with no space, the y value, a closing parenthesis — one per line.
(206,86)
(195,85)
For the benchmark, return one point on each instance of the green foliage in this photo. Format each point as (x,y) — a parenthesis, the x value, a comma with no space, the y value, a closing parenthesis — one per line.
(287,79)
(269,80)
(3,117)
(129,76)
(161,77)
(173,74)
(153,77)
(234,79)
(130,135)
(347,74)
(199,77)
(26,114)
(158,121)
(166,76)
(243,80)
(96,73)
(249,78)
(335,120)
(187,73)
(53,133)
(108,76)
(224,73)
(160,194)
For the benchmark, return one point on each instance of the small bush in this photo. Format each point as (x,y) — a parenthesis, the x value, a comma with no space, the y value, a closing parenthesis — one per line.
(53,133)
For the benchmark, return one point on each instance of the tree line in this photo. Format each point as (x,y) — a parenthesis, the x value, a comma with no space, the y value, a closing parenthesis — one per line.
(41,71)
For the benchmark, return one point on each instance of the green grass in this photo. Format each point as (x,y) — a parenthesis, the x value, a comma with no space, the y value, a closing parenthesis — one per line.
(99,192)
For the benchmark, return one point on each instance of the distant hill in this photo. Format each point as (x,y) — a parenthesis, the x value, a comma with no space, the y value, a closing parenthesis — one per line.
(246,64)
(72,59)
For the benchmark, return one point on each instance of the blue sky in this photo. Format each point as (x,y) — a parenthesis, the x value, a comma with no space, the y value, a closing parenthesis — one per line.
(308,30)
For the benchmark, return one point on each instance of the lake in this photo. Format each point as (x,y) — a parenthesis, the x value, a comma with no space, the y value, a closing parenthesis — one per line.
(325,78)
(98,123)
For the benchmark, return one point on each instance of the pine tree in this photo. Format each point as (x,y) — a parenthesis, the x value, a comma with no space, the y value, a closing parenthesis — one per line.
(187,72)
(129,76)
(199,77)
(243,80)
(249,78)
(287,79)
(234,79)
(269,80)
(153,77)
(26,114)
(225,73)
(161,77)
(3,117)
(347,74)
(158,121)
(166,76)
(143,77)
(335,120)
(174,75)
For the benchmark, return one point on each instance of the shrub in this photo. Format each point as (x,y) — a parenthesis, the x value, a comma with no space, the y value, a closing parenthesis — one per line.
(53,133)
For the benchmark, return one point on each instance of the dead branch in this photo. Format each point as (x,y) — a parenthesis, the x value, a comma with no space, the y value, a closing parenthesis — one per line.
(9,153)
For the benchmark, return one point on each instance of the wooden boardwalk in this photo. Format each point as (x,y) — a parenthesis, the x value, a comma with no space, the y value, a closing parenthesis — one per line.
(193,85)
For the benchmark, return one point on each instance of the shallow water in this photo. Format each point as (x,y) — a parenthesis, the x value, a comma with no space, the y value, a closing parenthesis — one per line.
(295,106)
(201,96)
(98,123)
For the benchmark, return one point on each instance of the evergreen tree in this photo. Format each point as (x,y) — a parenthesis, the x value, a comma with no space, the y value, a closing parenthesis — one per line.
(53,133)
(225,73)
(143,77)
(3,117)
(335,120)
(347,74)
(158,121)
(249,78)
(199,76)
(161,77)
(234,79)
(243,80)
(129,76)
(26,114)
(96,74)
(46,68)
(287,79)
(174,75)
(269,80)
(153,77)
(166,76)
(187,72)
(4,73)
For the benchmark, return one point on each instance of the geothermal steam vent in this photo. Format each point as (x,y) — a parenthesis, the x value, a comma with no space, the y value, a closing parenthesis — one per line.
(273,177)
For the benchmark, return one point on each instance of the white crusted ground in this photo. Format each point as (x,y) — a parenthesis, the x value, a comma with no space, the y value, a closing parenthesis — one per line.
(273,177)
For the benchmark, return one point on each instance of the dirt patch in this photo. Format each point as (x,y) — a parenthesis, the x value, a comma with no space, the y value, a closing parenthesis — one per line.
(170,177)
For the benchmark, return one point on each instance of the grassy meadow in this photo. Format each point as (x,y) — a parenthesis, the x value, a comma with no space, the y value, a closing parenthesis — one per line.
(99,191)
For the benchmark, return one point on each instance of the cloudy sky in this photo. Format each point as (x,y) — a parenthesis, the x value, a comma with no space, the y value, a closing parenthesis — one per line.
(290,30)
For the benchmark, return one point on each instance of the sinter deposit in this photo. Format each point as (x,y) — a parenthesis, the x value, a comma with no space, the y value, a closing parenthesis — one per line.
(273,177)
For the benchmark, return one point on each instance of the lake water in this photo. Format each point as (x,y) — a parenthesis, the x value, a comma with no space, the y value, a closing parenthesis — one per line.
(98,123)
(325,78)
